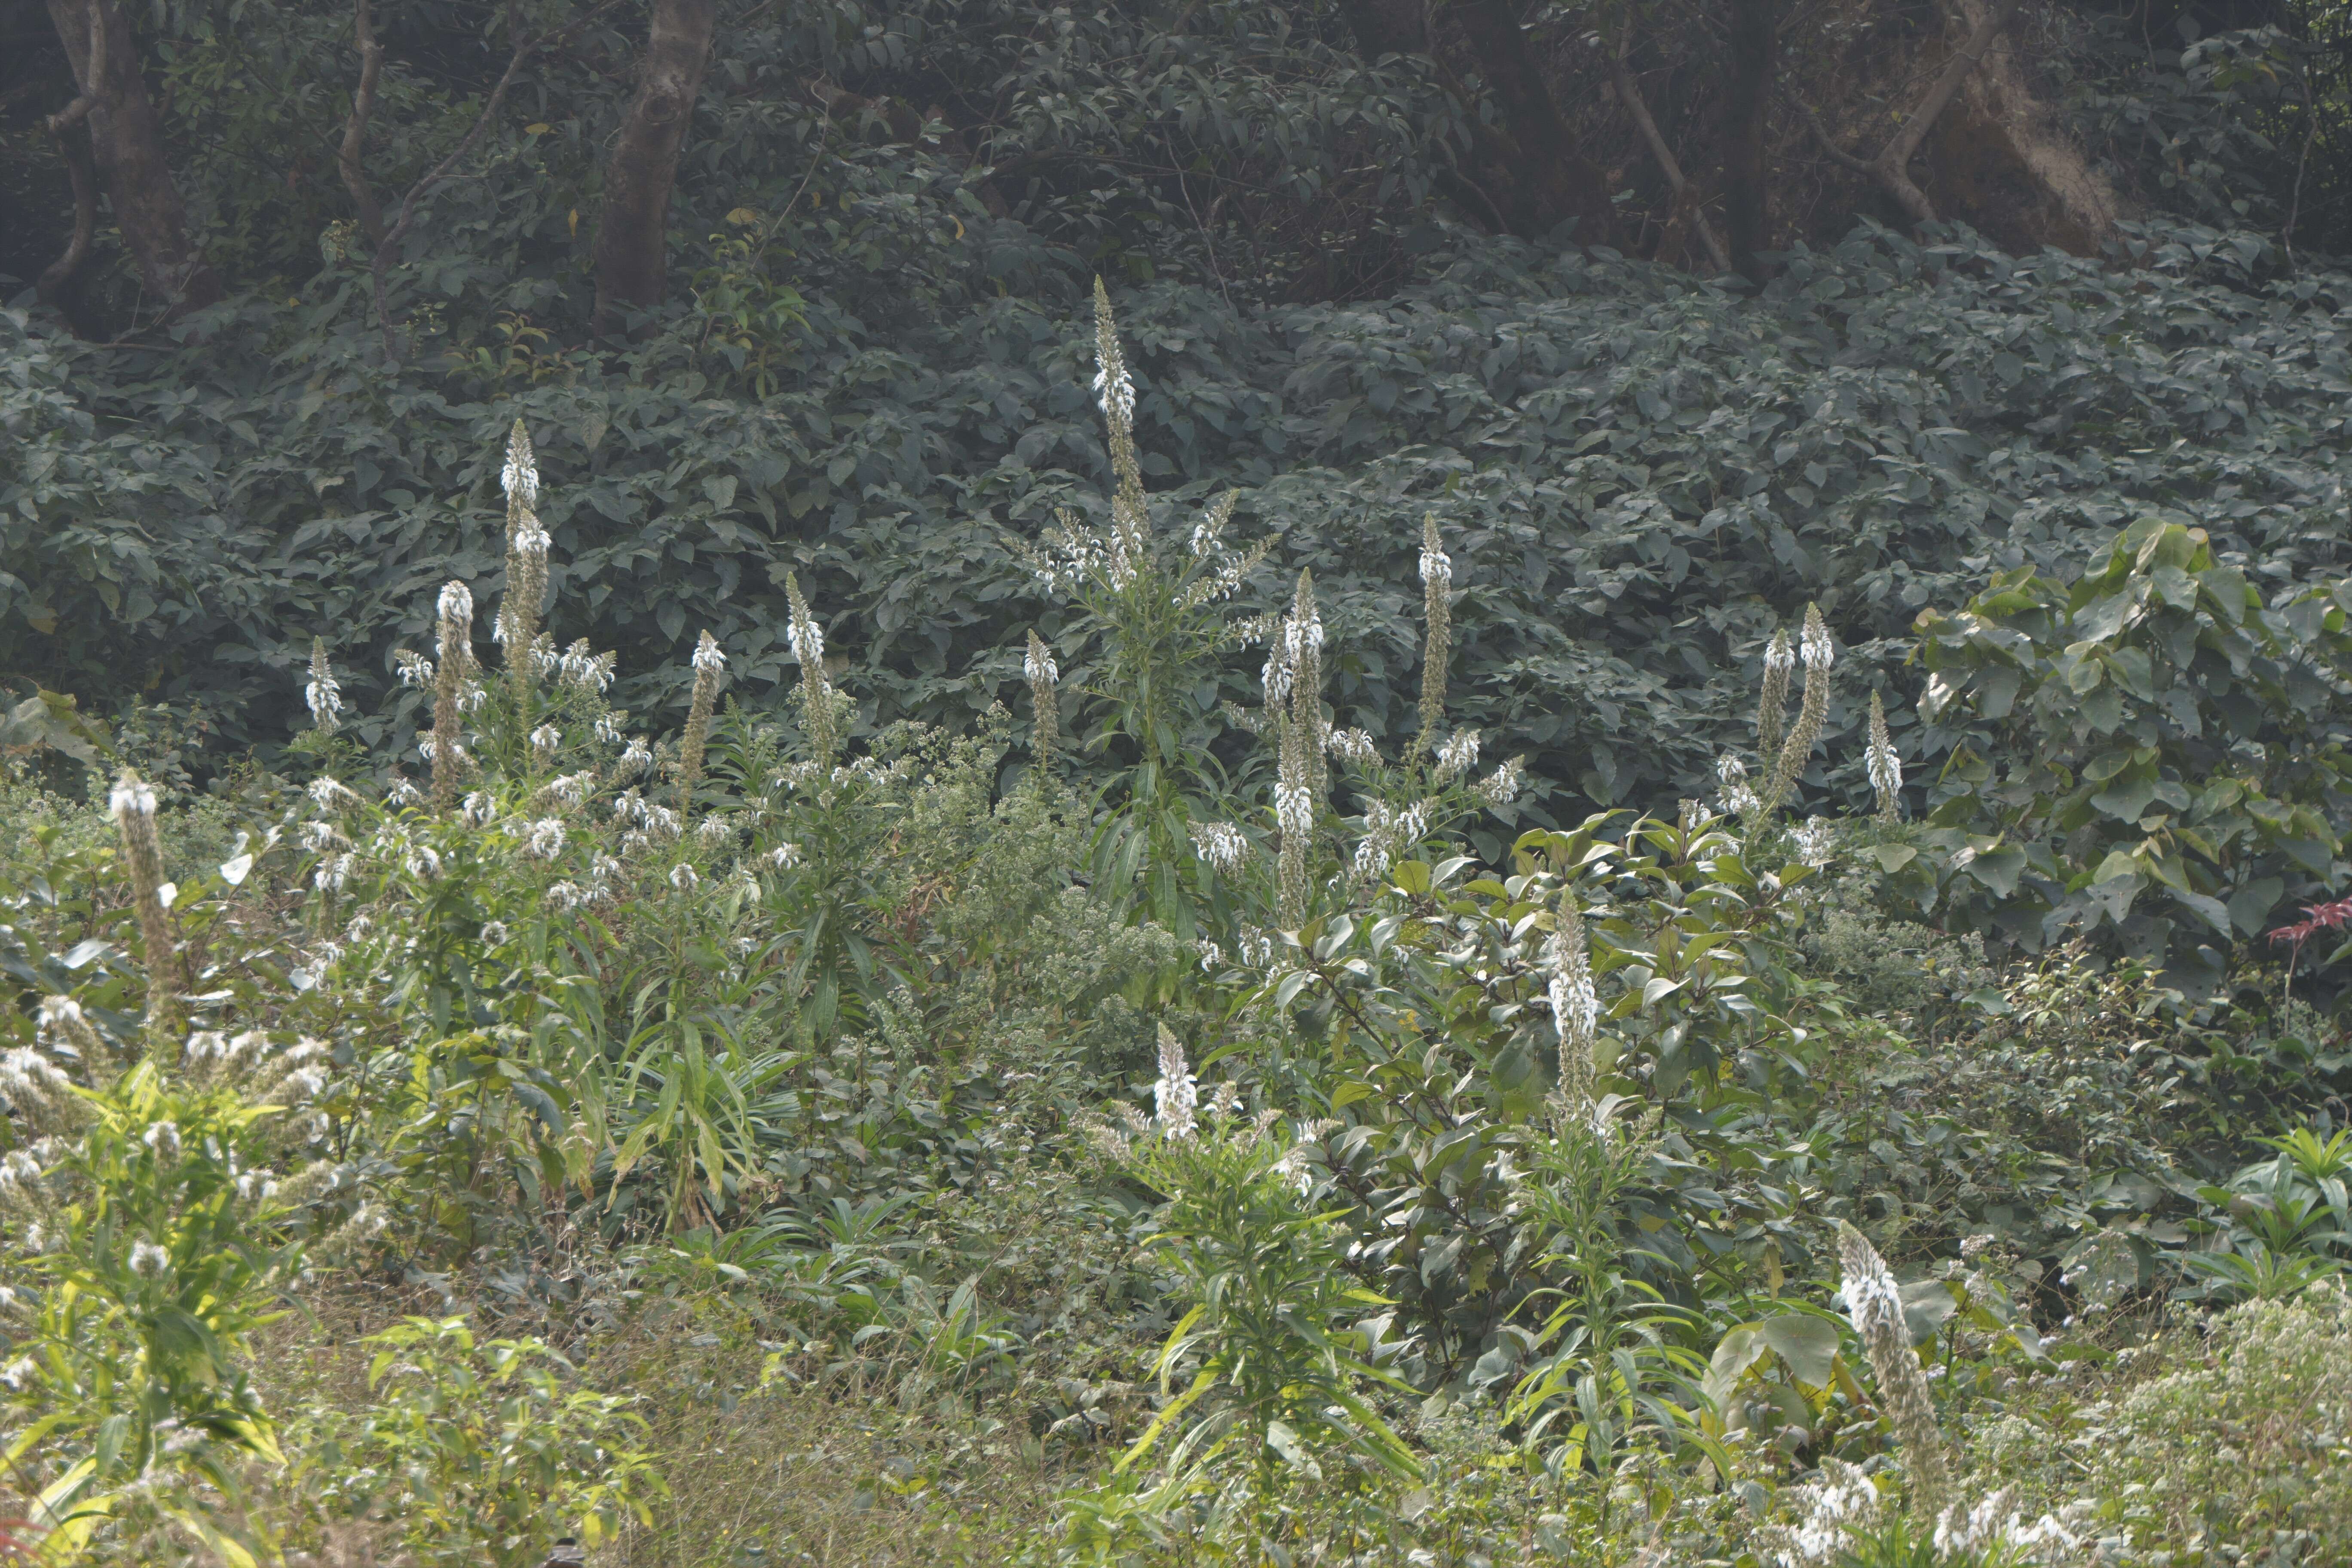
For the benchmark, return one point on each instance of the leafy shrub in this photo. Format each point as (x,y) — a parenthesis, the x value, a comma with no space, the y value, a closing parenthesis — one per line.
(477,1452)
(2161,730)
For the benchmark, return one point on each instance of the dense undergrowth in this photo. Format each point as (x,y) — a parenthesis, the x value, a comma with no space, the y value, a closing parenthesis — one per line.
(1186,1122)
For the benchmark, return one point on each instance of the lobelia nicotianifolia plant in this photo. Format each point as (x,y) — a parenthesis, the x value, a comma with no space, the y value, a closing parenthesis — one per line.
(1875,1303)
(152,1214)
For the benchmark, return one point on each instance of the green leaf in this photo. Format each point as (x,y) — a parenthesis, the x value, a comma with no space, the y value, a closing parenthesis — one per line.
(1808,1345)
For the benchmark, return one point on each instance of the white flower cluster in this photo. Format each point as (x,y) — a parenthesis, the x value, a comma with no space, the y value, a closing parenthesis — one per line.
(1038,665)
(546,837)
(1352,746)
(1738,797)
(1820,654)
(1886,768)
(456,601)
(784,857)
(588,671)
(1389,832)
(1816,840)
(1436,566)
(544,742)
(570,789)
(1842,1500)
(1575,1005)
(707,657)
(1458,755)
(1502,787)
(416,669)
(1294,810)
(1176,1093)
(1224,847)
(325,699)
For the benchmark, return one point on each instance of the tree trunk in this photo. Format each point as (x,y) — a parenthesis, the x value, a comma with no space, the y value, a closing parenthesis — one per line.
(1550,179)
(1746,171)
(126,142)
(633,234)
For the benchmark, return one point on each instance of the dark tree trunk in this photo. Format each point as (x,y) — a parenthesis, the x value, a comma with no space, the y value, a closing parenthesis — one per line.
(1747,169)
(126,143)
(1550,179)
(633,234)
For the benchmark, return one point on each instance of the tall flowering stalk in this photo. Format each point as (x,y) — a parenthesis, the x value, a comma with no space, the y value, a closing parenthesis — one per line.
(1303,633)
(1116,390)
(457,639)
(1818,654)
(1886,767)
(133,808)
(1772,705)
(517,627)
(1875,1304)
(1176,1094)
(820,714)
(1575,1009)
(1295,707)
(323,696)
(1045,701)
(709,663)
(1436,580)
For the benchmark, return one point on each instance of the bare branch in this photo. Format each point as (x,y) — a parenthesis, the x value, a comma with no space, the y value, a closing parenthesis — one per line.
(1629,93)
(370,211)
(1892,167)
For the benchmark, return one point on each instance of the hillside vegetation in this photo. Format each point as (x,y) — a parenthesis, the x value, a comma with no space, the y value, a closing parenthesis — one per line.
(1229,783)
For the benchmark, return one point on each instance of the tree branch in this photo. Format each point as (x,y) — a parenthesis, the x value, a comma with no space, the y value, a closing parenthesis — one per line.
(1892,167)
(1629,93)
(85,99)
(523,50)
(370,211)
